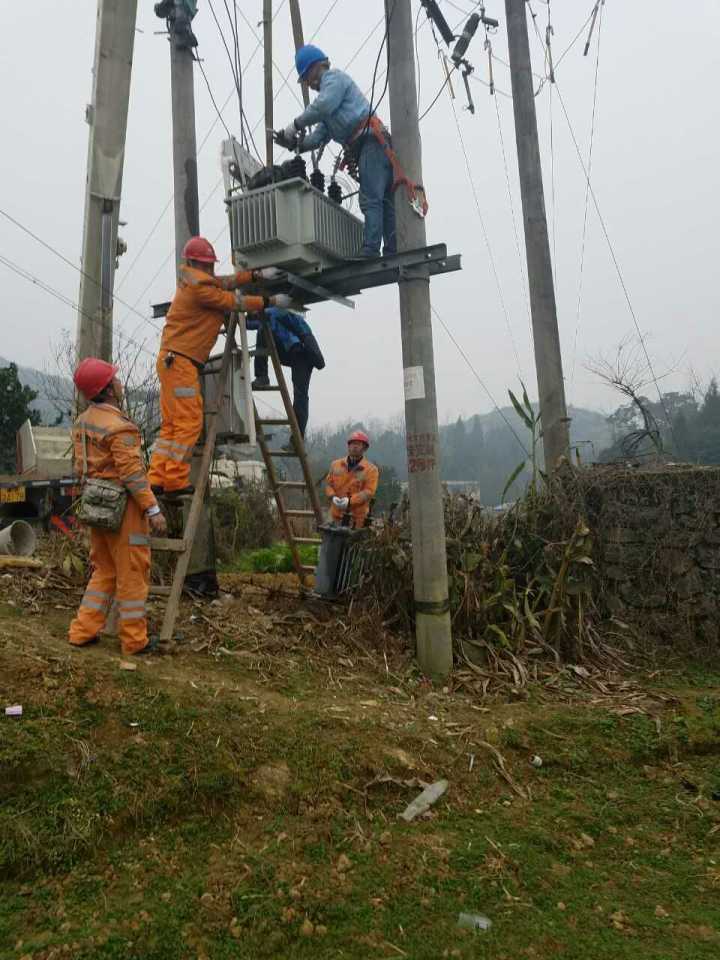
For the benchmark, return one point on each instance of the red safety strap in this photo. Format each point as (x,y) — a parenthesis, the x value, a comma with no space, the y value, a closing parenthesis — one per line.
(415,191)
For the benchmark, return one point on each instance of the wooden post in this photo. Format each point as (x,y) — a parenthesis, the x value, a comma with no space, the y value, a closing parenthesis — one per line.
(267,43)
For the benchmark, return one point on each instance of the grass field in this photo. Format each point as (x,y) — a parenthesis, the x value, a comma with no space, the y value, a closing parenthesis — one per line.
(245,803)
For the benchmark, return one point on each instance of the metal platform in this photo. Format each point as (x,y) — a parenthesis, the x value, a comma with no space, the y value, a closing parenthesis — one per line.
(351,278)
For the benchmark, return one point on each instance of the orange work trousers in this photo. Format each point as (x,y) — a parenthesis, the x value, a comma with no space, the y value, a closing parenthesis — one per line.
(181,411)
(121,569)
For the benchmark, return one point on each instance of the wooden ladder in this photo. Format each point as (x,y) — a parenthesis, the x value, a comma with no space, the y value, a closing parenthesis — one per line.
(296,451)
(183,547)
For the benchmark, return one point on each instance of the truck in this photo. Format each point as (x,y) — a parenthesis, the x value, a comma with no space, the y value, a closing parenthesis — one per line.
(43,488)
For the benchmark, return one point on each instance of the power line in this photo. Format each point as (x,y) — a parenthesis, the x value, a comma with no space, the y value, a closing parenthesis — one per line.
(485,236)
(36,281)
(204,140)
(616,264)
(587,197)
(69,262)
(437,96)
(480,380)
(516,234)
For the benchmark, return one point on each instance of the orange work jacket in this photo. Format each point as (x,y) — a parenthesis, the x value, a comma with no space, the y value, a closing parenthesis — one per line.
(113,450)
(197,313)
(359,483)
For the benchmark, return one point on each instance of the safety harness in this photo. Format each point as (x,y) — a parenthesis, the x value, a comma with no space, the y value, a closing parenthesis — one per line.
(415,191)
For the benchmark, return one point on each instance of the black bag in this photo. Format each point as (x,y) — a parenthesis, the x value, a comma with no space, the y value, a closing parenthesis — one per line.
(312,348)
(309,343)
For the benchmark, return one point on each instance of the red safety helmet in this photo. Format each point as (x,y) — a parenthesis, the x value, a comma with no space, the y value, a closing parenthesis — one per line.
(93,375)
(200,249)
(360,437)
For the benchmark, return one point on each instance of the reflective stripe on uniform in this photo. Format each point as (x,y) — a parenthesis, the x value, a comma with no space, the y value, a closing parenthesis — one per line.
(139,540)
(177,456)
(98,593)
(92,428)
(136,485)
(93,604)
(172,443)
(132,615)
(185,391)
(126,604)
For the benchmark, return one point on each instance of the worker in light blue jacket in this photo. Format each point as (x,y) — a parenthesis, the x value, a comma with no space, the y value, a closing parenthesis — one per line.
(297,349)
(341,113)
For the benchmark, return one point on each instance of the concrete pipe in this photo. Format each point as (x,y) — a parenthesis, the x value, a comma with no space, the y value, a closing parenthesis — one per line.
(18,539)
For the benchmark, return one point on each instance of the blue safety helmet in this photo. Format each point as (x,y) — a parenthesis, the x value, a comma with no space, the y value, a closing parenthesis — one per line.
(306,57)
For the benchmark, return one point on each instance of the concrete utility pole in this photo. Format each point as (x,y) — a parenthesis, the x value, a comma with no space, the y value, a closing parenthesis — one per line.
(433,634)
(299,41)
(179,14)
(548,360)
(107,118)
(268,67)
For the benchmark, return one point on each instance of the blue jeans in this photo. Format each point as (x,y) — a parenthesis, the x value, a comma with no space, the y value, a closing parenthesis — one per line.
(301,367)
(377,200)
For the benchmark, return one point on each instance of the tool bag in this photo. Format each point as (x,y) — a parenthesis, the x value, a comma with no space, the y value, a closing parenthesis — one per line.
(307,338)
(102,502)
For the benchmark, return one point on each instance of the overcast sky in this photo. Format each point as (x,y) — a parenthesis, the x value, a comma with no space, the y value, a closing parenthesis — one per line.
(655,174)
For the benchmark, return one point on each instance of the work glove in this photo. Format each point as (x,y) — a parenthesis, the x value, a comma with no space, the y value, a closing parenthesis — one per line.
(283,301)
(286,138)
(267,273)
(341,502)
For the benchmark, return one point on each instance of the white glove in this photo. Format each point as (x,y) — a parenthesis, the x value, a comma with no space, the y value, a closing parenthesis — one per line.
(282,300)
(291,131)
(341,502)
(268,273)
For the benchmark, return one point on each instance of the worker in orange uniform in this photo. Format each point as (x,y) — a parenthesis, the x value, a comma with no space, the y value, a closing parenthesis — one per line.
(192,326)
(107,445)
(352,482)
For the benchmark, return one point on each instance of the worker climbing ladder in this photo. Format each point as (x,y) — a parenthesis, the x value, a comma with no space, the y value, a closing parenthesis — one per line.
(279,486)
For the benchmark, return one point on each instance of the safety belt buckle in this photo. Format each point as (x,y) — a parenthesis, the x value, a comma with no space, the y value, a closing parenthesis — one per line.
(169,359)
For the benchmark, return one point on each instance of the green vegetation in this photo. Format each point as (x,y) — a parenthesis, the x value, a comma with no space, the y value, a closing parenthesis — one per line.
(195,808)
(275,559)
(15,400)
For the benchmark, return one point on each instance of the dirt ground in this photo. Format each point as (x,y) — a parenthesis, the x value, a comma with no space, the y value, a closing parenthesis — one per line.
(240,795)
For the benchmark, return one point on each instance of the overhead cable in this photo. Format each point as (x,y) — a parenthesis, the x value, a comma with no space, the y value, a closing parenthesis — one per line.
(480,380)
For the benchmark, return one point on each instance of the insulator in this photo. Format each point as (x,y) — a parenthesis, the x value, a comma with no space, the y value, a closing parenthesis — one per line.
(335,192)
(466,36)
(433,11)
(297,168)
(317,179)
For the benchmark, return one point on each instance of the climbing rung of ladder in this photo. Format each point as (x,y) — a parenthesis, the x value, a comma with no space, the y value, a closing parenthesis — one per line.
(183,546)
(297,452)
(168,545)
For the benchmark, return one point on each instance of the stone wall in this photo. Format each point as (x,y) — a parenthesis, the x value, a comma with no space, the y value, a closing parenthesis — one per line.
(656,539)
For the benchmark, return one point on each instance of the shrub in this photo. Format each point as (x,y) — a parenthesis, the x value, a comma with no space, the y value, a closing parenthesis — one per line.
(244,519)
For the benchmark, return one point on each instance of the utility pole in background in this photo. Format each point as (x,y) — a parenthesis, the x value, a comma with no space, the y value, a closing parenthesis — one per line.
(432,615)
(299,41)
(179,14)
(268,66)
(548,359)
(107,117)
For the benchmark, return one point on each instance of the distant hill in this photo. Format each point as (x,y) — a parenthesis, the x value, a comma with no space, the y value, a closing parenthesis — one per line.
(49,387)
(481,451)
